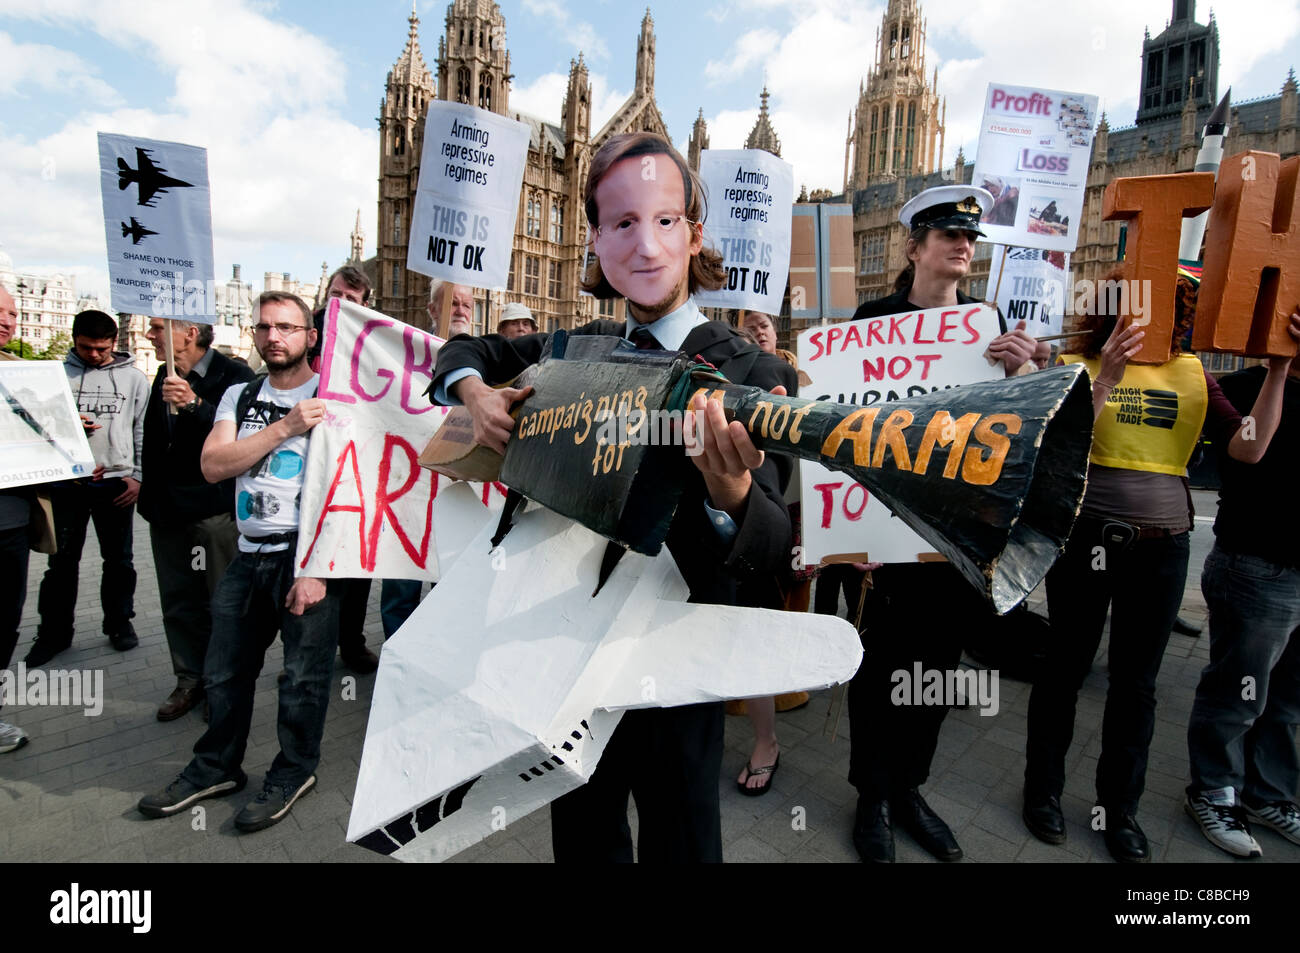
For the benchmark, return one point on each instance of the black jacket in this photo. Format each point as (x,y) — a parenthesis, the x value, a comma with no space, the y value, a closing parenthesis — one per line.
(752,568)
(173,489)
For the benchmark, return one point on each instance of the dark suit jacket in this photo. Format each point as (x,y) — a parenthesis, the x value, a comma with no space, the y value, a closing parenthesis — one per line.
(752,568)
(173,488)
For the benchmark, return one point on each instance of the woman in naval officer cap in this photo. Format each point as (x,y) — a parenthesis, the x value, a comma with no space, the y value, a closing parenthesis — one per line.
(914,612)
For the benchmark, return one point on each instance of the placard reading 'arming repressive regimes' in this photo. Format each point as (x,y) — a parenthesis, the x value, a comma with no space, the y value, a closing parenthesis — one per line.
(471,171)
(750,194)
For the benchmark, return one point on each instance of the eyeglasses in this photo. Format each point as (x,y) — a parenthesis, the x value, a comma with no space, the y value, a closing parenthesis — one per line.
(284,330)
(625,231)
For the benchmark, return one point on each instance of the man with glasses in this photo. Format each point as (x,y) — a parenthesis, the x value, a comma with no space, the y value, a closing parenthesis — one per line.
(260,437)
(730,535)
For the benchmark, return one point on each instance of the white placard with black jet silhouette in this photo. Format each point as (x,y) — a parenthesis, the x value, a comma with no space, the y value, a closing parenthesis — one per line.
(471,171)
(158,227)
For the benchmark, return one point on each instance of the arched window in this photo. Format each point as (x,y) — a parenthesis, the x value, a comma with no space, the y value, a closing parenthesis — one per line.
(399,141)
(462,85)
(911,136)
(485,90)
(557,224)
(534,223)
(397,223)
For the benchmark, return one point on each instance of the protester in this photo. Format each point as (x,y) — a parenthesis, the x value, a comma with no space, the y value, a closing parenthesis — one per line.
(191,522)
(111,395)
(15,514)
(1241,738)
(760,770)
(730,535)
(915,613)
(260,437)
(516,321)
(1128,551)
(351,284)
(462,308)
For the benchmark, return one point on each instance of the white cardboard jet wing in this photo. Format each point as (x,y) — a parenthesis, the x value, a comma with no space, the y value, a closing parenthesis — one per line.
(500,692)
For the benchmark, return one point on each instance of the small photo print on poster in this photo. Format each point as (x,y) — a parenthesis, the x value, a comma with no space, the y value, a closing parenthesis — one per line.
(1006,199)
(1044,219)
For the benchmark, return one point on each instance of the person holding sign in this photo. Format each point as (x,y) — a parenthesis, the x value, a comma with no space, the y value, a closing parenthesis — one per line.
(916,613)
(1128,553)
(260,437)
(730,534)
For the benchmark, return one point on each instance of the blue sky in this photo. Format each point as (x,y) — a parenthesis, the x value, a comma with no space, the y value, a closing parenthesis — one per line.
(285,95)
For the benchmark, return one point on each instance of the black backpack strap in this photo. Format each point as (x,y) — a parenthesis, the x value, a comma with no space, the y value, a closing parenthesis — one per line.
(246,398)
(737,367)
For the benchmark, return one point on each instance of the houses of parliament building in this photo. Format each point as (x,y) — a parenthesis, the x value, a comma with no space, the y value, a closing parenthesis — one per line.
(893,150)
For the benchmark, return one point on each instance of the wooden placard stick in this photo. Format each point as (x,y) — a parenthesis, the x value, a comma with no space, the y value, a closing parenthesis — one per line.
(171,357)
(444,316)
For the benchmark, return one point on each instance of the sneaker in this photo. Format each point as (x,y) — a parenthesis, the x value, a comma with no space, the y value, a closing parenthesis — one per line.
(1223,821)
(181,793)
(272,805)
(1281,816)
(124,638)
(11,737)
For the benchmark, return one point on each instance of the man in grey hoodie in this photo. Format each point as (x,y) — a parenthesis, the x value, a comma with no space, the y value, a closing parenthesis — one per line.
(111,395)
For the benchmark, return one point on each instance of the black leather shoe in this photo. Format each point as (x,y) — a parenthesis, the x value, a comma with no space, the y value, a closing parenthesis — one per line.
(872,835)
(926,827)
(1044,819)
(44,649)
(1183,627)
(1125,840)
(124,639)
(363,662)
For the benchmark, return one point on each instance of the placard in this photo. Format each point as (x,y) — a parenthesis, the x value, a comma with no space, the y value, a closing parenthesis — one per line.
(1033,157)
(750,195)
(158,227)
(41,437)
(471,172)
(1031,287)
(366,502)
(872,361)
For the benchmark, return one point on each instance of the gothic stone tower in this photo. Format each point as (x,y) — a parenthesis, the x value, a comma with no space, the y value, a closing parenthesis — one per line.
(407,92)
(473,64)
(897,128)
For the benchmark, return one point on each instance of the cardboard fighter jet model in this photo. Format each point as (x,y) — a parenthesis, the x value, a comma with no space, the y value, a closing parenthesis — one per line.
(502,689)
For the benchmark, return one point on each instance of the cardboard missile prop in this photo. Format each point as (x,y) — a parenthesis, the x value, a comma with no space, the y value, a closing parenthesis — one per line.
(1154,206)
(1207,160)
(501,690)
(1251,281)
(991,474)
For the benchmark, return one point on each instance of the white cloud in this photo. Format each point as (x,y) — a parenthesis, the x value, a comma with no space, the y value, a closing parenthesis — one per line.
(286,171)
(579,34)
(751,47)
(50,69)
(544,98)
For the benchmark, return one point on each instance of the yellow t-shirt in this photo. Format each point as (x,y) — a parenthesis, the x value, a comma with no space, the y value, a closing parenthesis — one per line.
(1153,416)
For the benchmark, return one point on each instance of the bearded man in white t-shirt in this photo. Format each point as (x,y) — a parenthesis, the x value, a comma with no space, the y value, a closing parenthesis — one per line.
(260,438)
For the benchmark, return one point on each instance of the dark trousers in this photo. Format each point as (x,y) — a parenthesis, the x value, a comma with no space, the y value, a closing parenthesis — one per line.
(354,595)
(830,581)
(913,613)
(1142,585)
(669,760)
(398,598)
(75,505)
(190,559)
(247,610)
(14,554)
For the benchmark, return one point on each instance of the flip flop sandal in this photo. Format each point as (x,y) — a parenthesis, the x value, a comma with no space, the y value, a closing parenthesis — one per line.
(752,772)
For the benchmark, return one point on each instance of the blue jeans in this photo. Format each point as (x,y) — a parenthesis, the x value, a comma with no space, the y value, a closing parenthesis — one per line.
(1142,585)
(247,611)
(1243,725)
(397,600)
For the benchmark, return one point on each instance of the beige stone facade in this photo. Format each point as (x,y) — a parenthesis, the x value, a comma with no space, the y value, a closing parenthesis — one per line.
(473,66)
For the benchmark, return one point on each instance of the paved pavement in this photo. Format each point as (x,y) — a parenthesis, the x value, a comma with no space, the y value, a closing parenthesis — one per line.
(70,794)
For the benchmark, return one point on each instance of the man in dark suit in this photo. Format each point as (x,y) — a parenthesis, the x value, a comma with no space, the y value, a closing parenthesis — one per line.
(730,535)
(191,521)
